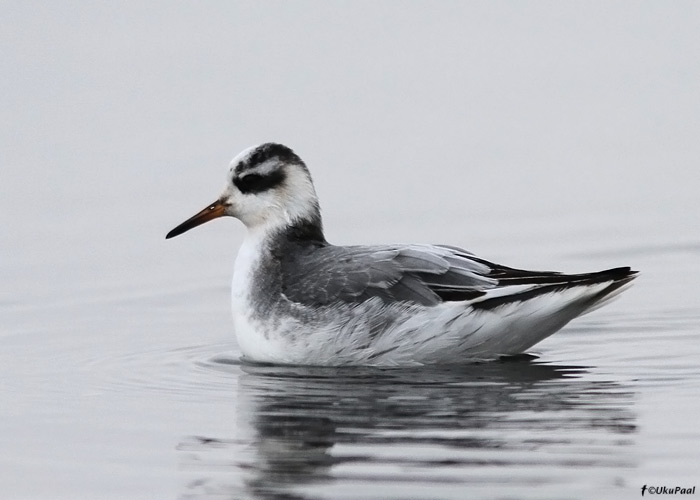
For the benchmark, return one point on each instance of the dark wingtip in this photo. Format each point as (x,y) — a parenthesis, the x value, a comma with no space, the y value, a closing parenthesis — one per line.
(617,277)
(619,273)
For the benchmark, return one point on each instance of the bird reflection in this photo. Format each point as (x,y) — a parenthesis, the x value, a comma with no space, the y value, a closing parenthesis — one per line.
(304,430)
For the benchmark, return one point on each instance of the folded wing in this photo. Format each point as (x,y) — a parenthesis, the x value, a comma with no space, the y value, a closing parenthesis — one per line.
(420,274)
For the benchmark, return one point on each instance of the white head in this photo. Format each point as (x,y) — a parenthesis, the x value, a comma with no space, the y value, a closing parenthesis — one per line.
(268,187)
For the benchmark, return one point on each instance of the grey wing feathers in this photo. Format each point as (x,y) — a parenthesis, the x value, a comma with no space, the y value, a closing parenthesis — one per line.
(423,274)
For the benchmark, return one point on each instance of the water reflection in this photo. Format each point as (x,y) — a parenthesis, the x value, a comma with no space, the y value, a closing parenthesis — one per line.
(331,433)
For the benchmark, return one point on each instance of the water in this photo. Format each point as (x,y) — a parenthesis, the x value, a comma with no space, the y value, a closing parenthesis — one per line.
(544,136)
(423,433)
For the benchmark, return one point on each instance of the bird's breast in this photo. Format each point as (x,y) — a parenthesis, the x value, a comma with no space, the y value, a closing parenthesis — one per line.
(247,261)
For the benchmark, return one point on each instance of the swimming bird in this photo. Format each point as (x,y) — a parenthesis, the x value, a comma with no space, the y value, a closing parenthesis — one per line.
(297,299)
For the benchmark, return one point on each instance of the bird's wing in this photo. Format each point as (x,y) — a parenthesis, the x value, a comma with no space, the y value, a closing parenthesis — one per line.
(422,274)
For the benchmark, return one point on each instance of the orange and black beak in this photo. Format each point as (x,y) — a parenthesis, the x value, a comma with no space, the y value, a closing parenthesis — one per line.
(216,209)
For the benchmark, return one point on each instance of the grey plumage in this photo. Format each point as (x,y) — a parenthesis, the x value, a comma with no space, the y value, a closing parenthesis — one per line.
(318,275)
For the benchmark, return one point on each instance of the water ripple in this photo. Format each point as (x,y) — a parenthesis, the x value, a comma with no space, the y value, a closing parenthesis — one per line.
(192,373)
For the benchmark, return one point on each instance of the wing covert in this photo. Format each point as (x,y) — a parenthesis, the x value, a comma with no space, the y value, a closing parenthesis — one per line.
(422,274)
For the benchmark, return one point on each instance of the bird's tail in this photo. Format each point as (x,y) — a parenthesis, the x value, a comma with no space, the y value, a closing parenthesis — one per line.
(622,278)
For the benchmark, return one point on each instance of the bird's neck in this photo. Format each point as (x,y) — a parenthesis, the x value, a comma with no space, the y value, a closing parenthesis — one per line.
(264,249)
(308,230)
(300,231)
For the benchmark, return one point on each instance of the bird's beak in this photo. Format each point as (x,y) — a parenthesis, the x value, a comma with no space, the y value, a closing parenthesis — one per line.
(216,209)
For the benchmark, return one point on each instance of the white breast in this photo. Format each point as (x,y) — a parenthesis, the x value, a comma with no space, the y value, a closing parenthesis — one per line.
(247,260)
(250,331)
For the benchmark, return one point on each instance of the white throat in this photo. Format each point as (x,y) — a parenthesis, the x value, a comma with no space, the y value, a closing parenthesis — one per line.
(248,259)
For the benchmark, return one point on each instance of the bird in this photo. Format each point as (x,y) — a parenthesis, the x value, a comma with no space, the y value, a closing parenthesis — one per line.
(299,300)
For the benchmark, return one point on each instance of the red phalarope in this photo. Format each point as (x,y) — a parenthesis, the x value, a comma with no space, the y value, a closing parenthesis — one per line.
(297,299)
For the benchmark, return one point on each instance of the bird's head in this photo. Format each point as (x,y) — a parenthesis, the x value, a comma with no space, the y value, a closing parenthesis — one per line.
(267,187)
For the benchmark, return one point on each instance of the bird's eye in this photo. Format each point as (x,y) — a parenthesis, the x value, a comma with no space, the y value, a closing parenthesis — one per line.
(256,183)
(249,183)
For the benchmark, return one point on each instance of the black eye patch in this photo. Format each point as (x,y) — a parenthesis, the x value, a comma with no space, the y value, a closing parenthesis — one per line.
(257,183)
